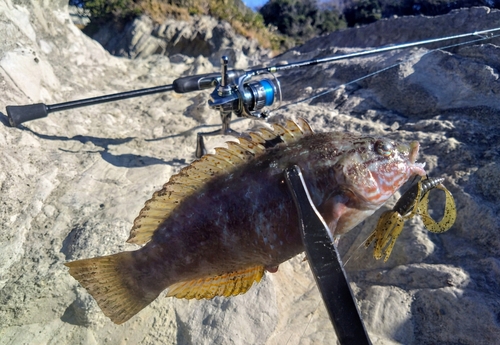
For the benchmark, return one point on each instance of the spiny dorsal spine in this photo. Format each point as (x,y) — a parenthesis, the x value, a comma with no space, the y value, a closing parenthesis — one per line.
(194,176)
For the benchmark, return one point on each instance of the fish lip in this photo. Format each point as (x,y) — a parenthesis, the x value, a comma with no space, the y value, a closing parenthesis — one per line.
(413,154)
(416,168)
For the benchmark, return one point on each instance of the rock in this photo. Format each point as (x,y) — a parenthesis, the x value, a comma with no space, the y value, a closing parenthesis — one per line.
(79,17)
(135,40)
(72,183)
(200,110)
(401,30)
(203,36)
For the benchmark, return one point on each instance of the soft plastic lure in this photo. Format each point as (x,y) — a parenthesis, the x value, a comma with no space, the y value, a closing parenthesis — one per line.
(414,201)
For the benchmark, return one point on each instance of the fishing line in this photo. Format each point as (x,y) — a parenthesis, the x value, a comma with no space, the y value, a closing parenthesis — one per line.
(308,323)
(408,59)
(356,250)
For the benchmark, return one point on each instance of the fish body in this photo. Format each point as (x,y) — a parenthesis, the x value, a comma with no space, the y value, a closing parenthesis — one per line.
(222,221)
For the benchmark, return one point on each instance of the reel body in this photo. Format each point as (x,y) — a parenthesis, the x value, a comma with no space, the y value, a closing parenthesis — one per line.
(238,95)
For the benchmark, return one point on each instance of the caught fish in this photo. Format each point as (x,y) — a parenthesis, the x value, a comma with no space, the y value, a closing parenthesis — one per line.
(414,201)
(221,222)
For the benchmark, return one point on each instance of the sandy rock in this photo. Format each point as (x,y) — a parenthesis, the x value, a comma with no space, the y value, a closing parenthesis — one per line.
(400,30)
(135,40)
(71,185)
(199,36)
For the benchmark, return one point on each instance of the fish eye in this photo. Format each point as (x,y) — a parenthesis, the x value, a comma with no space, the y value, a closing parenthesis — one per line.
(384,148)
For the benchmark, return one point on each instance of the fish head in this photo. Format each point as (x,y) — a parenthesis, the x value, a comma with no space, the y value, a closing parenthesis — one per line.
(368,174)
(376,168)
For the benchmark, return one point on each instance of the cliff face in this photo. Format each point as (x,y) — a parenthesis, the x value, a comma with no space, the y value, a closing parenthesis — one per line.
(199,36)
(72,183)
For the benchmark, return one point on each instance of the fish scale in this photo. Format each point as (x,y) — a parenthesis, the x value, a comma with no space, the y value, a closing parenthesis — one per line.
(221,222)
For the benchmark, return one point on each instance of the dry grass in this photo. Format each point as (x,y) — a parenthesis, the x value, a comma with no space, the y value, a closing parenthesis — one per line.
(243,20)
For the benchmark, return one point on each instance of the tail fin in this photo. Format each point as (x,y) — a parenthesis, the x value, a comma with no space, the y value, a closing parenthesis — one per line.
(110,280)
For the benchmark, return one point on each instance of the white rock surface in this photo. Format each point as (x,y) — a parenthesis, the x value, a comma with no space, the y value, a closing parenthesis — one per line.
(200,35)
(72,183)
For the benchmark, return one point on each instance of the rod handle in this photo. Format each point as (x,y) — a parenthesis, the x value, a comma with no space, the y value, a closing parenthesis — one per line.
(202,81)
(18,114)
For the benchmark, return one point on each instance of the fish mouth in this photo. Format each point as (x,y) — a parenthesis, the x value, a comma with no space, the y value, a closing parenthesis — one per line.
(416,168)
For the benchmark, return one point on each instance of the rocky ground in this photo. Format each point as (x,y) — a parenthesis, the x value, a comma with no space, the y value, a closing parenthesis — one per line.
(72,183)
(201,35)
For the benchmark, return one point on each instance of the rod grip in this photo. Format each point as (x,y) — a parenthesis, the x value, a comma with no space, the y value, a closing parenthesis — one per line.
(18,114)
(202,81)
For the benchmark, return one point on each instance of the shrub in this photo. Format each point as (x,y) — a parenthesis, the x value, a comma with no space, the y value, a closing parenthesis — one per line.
(301,19)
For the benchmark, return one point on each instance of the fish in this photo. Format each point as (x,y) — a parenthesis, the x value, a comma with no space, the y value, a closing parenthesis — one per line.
(218,225)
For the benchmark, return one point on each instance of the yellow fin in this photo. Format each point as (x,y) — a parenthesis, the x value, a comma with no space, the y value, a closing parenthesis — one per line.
(213,162)
(289,132)
(293,128)
(304,126)
(284,133)
(257,138)
(181,185)
(251,146)
(240,151)
(228,155)
(193,177)
(229,284)
(104,278)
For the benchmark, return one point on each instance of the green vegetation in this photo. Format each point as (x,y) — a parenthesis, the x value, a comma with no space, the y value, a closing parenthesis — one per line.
(243,20)
(102,10)
(279,24)
(301,19)
(363,12)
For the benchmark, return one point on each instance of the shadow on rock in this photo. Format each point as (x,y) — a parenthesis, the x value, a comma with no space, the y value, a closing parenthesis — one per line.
(123,160)
(4,119)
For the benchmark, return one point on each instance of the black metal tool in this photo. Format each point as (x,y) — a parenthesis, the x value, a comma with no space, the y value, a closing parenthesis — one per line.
(326,265)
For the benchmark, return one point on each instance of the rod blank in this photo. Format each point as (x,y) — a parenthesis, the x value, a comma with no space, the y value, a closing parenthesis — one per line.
(18,114)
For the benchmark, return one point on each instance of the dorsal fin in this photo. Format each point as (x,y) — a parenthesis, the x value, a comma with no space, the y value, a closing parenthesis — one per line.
(304,126)
(294,128)
(257,138)
(229,284)
(195,175)
(251,146)
(268,134)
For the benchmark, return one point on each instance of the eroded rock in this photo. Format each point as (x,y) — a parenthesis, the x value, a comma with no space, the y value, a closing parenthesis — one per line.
(72,183)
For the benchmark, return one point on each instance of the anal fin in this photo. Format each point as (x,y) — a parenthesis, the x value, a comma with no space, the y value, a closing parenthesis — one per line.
(228,284)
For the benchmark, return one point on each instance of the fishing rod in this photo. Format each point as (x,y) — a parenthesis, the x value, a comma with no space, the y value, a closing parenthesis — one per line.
(233,93)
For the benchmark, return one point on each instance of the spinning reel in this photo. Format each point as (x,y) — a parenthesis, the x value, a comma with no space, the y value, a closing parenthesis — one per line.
(235,93)
(241,97)
(233,90)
